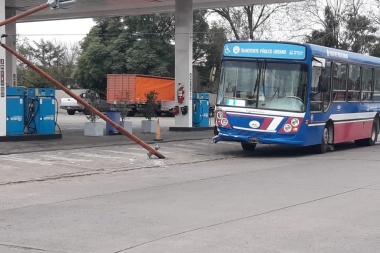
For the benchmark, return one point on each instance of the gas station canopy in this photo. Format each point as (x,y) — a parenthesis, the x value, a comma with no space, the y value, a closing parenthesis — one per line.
(108,8)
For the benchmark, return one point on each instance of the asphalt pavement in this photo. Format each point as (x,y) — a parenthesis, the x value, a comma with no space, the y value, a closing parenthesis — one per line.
(84,194)
(70,135)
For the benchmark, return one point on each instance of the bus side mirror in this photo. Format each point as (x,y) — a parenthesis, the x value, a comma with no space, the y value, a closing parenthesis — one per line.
(212,74)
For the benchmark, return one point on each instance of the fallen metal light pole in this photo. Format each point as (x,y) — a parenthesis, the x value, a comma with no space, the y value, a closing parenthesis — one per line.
(24,14)
(83,102)
(54,4)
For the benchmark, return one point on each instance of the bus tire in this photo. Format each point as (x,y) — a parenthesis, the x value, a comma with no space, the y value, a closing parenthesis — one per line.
(248,146)
(371,140)
(326,136)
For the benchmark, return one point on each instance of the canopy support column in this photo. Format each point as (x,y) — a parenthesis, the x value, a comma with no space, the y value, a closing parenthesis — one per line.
(10,41)
(184,61)
(3,109)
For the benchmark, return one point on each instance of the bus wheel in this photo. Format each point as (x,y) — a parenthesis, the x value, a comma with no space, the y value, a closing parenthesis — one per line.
(371,140)
(248,146)
(324,146)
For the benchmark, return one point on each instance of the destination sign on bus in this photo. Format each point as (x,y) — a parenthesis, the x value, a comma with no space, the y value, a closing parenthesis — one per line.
(265,50)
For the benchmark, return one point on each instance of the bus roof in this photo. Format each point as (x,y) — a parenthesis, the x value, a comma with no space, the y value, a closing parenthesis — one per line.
(342,55)
(286,50)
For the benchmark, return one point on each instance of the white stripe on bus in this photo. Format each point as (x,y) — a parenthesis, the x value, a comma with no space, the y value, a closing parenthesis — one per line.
(254,130)
(352,116)
(274,124)
(261,113)
(351,121)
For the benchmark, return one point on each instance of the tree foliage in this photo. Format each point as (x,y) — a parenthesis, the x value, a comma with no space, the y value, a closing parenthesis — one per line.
(328,36)
(359,35)
(248,22)
(137,44)
(213,50)
(344,27)
(55,58)
(151,106)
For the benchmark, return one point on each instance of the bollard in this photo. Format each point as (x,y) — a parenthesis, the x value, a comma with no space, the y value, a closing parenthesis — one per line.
(158,132)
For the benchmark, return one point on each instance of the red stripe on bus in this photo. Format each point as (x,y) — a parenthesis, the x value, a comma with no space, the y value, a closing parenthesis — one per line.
(266,123)
(352,131)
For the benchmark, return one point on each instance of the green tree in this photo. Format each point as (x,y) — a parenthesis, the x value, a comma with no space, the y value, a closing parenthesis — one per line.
(213,51)
(248,22)
(151,106)
(344,27)
(329,35)
(359,35)
(201,37)
(55,58)
(137,44)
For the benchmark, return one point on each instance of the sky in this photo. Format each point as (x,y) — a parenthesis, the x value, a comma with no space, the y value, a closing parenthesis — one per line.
(67,31)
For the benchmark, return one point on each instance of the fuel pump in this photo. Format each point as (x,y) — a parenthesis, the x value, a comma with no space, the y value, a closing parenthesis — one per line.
(201,107)
(15,111)
(40,111)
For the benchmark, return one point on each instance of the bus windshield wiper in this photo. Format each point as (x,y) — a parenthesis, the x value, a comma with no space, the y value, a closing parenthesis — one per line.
(257,76)
(275,92)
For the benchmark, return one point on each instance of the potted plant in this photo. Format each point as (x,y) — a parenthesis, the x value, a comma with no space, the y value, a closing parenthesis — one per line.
(93,128)
(149,111)
(126,124)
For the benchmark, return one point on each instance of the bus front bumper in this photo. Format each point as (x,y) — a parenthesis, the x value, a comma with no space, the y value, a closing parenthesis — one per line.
(277,139)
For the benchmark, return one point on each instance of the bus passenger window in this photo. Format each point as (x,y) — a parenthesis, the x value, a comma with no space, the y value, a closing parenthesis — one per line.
(339,82)
(353,83)
(376,94)
(367,88)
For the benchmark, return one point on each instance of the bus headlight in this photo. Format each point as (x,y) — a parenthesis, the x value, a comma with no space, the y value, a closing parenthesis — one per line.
(222,119)
(294,122)
(291,126)
(287,128)
(219,115)
(224,122)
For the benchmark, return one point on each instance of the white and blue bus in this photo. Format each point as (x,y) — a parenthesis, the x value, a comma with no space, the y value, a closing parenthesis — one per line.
(296,94)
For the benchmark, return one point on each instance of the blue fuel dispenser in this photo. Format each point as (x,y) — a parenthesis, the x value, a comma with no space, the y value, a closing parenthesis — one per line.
(201,107)
(15,111)
(40,111)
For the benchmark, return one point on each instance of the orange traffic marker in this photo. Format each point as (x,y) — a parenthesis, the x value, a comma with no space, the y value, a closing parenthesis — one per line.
(158,132)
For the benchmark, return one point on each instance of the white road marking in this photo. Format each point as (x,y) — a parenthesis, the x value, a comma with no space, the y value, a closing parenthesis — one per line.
(95,155)
(60,158)
(230,143)
(13,158)
(204,144)
(124,152)
(8,167)
(183,149)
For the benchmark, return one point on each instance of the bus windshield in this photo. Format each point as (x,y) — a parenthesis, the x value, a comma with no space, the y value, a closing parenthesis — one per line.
(263,85)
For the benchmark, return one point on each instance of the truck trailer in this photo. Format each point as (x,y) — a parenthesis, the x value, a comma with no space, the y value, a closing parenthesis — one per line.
(129,90)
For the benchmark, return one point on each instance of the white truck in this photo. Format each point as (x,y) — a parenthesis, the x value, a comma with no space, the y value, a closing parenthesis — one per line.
(98,100)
